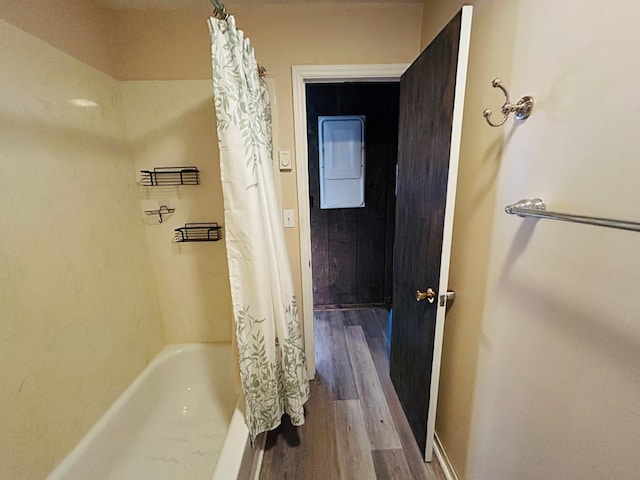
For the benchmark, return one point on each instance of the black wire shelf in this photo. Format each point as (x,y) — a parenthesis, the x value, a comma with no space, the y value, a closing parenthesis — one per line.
(198,232)
(170,176)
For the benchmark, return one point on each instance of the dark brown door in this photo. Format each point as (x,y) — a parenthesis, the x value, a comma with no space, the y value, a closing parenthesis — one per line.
(427,144)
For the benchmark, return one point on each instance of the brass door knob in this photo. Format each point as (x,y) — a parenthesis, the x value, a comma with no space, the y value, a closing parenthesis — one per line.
(429,295)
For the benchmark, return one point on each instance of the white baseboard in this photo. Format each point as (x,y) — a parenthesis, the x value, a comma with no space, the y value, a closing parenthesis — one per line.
(443,460)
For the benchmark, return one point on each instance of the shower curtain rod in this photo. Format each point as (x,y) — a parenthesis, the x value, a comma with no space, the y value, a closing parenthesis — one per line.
(219,10)
(536,208)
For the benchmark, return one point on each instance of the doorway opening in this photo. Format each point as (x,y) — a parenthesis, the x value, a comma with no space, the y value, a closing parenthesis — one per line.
(352,248)
(302,76)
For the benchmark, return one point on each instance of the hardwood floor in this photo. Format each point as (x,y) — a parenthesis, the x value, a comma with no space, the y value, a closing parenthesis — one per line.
(355,428)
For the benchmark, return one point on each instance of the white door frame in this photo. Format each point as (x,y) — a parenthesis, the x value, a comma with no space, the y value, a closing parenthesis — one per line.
(301,75)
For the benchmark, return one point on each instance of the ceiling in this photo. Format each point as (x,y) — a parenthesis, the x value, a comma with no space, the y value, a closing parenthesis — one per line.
(178,4)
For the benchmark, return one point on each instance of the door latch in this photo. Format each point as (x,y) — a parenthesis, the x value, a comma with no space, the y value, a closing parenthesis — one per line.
(447,297)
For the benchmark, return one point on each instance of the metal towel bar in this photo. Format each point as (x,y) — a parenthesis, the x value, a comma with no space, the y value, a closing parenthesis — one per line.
(536,208)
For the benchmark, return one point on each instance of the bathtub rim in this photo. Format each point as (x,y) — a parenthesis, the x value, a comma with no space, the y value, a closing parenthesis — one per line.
(243,463)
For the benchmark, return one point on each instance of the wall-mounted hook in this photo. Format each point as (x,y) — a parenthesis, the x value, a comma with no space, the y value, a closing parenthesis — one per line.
(522,109)
(163,210)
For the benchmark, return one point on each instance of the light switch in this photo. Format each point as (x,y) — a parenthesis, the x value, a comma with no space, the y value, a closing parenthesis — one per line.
(284,160)
(287,216)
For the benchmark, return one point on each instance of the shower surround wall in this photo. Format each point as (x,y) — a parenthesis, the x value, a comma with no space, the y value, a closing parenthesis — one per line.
(79,316)
(173,123)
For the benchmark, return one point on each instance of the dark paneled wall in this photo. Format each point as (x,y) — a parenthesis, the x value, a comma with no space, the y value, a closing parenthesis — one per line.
(352,248)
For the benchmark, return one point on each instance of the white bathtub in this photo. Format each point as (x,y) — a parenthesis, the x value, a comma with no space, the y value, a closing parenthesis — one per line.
(180,419)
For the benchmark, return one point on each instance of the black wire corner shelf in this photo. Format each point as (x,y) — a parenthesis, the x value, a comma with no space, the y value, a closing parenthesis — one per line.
(163,210)
(198,232)
(170,176)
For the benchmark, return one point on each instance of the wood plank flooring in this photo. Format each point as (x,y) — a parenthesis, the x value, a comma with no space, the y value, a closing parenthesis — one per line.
(355,428)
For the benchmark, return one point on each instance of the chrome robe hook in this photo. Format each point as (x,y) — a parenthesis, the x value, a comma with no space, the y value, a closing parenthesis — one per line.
(522,109)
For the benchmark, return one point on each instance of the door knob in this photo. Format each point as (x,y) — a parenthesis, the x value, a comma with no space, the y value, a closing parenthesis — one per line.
(429,295)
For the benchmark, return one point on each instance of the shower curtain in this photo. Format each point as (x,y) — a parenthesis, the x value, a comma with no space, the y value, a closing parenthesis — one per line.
(272,363)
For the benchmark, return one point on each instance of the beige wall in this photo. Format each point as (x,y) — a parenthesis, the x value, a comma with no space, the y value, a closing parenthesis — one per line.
(174,44)
(80,316)
(540,362)
(80,28)
(172,123)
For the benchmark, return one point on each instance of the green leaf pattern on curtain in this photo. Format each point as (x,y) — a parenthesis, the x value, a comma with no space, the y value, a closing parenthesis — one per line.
(271,355)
